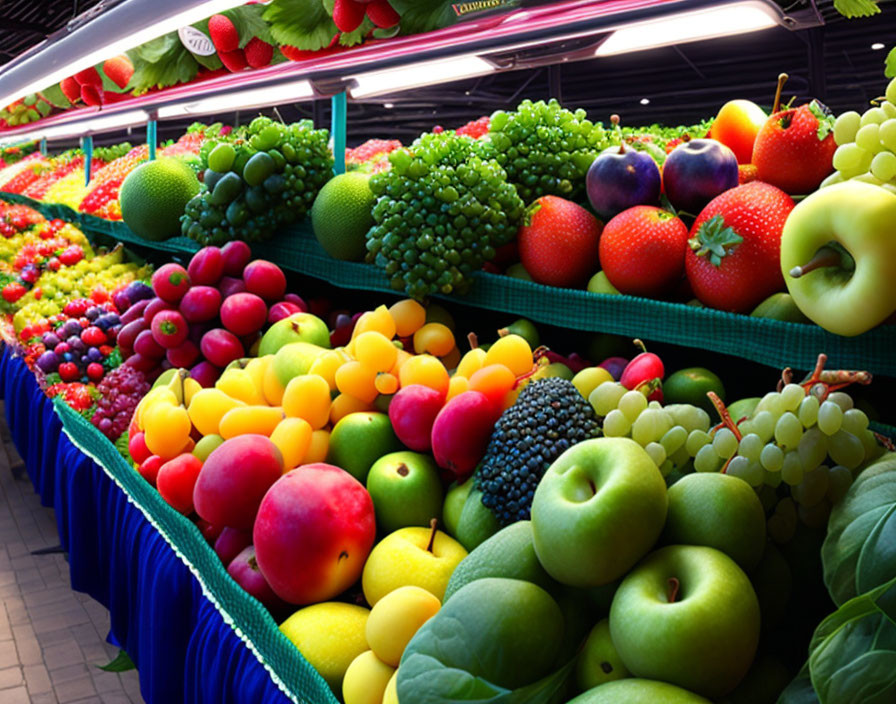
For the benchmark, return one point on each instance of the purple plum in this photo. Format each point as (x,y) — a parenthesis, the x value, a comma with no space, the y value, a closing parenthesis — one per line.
(621,178)
(696,172)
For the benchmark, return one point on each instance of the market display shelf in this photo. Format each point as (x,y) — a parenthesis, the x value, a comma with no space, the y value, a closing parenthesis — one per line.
(155,610)
(774,343)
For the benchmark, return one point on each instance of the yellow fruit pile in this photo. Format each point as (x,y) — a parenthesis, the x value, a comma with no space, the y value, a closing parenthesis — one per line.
(69,190)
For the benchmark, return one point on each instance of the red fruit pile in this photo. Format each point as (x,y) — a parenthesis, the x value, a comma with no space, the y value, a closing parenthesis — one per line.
(205,316)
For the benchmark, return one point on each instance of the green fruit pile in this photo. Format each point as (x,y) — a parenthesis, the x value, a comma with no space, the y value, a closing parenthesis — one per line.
(442,210)
(266,177)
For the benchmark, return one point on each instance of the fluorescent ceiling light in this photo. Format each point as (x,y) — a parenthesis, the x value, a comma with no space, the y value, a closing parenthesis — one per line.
(241,100)
(90,125)
(877,46)
(682,27)
(645,101)
(424,73)
(81,49)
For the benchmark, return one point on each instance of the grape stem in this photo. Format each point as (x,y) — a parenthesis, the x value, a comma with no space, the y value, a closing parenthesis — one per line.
(782,79)
(822,382)
(727,422)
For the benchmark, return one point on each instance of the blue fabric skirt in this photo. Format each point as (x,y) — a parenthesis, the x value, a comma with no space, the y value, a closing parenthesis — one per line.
(184,649)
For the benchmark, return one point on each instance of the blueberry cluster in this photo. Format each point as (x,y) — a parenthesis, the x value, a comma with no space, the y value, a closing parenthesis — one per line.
(549,417)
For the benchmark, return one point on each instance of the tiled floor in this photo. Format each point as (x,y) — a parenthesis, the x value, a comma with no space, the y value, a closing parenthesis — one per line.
(51,638)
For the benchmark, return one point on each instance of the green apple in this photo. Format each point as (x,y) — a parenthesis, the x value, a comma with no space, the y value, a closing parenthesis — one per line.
(455,498)
(719,511)
(405,489)
(638,691)
(780,306)
(838,256)
(525,329)
(298,327)
(599,283)
(360,439)
(518,271)
(598,509)
(294,359)
(555,369)
(687,615)
(691,386)
(599,662)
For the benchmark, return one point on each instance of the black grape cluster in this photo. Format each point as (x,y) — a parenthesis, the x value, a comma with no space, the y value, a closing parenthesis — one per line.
(442,210)
(265,177)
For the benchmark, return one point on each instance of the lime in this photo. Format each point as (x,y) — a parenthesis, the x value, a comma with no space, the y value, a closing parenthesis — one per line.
(154,195)
(341,216)
(691,386)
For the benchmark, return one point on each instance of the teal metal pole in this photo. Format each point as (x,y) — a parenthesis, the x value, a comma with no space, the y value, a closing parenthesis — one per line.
(43,145)
(151,139)
(87,148)
(338,129)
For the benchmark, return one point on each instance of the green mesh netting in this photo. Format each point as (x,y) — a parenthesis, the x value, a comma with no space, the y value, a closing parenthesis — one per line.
(250,619)
(771,342)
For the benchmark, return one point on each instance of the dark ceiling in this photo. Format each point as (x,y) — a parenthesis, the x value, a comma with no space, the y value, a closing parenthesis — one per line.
(683,84)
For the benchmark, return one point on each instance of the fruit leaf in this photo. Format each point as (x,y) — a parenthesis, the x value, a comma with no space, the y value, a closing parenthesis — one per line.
(249,23)
(120,663)
(852,656)
(358,36)
(55,96)
(160,63)
(304,24)
(715,240)
(825,119)
(424,15)
(856,8)
(890,64)
(800,690)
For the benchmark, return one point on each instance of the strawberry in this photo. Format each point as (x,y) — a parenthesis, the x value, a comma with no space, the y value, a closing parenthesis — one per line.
(71,89)
(119,69)
(233,61)
(89,77)
(91,95)
(348,15)
(13,291)
(559,242)
(382,14)
(733,260)
(258,53)
(223,34)
(794,150)
(642,250)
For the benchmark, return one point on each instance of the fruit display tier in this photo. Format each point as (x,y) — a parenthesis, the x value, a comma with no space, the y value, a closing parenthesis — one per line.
(770,342)
(183,614)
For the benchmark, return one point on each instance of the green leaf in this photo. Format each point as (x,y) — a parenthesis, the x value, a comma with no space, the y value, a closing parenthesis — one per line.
(855,529)
(824,117)
(800,690)
(121,663)
(856,8)
(715,240)
(852,656)
(356,37)
(304,24)
(890,64)
(161,62)
(424,16)
(55,96)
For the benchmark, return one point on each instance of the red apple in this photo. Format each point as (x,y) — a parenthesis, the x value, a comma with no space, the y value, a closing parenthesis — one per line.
(235,255)
(234,479)
(314,530)
(221,347)
(230,543)
(176,479)
(170,282)
(149,468)
(282,310)
(461,432)
(243,313)
(229,286)
(206,267)
(244,570)
(412,412)
(737,125)
(146,346)
(154,306)
(209,532)
(200,304)
(298,300)
(265,279)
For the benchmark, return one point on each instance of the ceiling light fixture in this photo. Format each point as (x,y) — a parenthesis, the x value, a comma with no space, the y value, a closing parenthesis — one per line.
(110,33)
(688,26)
(877,46)
(248,99)
(424,73)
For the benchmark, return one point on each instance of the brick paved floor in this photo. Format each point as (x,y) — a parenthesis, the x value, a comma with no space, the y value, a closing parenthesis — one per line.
(51,638)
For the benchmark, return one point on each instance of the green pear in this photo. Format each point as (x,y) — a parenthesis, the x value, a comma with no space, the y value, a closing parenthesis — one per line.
(298,327)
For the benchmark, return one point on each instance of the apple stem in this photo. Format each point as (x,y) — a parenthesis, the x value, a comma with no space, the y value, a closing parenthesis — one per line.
(724,414)
(503,332)
(826,256)
(782,79)
(673,585)
(473,340)
(434,525)
(638,343)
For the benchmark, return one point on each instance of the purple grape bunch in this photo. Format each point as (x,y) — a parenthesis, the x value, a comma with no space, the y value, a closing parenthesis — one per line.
(121,391)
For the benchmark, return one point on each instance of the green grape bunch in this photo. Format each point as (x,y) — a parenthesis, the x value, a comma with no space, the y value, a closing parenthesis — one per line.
(546,149)
(267,176)
(441,211)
